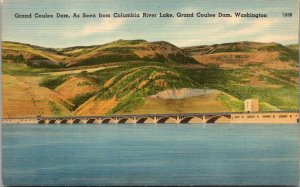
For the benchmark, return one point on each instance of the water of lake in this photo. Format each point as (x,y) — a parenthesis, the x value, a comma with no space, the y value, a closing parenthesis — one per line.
(151,154)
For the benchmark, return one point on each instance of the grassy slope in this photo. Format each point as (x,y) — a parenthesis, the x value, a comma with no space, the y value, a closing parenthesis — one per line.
(271,89)
(125,89)
(23,97)
(196,104)
(127,86)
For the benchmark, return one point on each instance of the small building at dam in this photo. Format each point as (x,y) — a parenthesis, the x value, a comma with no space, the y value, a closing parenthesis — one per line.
(251,105)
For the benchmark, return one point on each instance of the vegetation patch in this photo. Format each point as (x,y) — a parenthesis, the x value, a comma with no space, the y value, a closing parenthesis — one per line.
(285,97)
(233,104)
(81,98)
(107,58)
(21,69)
(263,106)
(85,83)
(285,75)
(129,103)
(53,82)
(272,80)
(18,58)
(54,108)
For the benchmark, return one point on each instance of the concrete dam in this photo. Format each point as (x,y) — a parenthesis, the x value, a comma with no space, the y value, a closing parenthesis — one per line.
(272,117)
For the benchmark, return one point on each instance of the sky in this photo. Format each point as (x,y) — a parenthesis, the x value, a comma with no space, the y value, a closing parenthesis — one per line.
(59,32)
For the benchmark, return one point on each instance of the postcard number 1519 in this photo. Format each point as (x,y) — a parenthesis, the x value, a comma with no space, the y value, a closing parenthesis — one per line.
(287,14)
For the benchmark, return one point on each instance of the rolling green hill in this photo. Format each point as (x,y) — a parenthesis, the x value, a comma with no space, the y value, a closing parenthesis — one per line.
(129,77)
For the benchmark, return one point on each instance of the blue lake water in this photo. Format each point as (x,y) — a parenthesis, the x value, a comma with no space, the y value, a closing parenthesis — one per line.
(151,154)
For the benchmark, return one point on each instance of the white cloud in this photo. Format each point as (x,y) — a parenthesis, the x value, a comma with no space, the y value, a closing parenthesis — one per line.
(219,30)
(186,42)
(277,38)
(252,28)
(255,27)
(105,26)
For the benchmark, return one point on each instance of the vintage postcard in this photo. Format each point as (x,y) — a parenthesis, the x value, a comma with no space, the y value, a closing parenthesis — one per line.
(150,92)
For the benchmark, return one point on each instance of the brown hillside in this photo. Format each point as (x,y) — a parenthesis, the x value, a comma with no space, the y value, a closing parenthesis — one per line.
(128,50)
(74,87)
(22,97)
(241,54)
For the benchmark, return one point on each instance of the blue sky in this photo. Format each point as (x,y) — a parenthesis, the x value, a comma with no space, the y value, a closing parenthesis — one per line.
(179,31)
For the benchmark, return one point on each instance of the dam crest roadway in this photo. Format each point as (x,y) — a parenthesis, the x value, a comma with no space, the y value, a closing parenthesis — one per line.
(272,117)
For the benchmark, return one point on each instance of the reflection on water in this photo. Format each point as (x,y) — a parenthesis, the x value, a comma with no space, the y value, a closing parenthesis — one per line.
(150,154)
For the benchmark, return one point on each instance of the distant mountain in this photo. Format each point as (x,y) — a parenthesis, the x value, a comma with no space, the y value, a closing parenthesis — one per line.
(117,51)
(241,54)
(32,55)
(294,47)
(227,55)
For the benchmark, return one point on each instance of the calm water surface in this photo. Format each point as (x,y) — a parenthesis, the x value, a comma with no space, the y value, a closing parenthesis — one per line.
(151,154)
